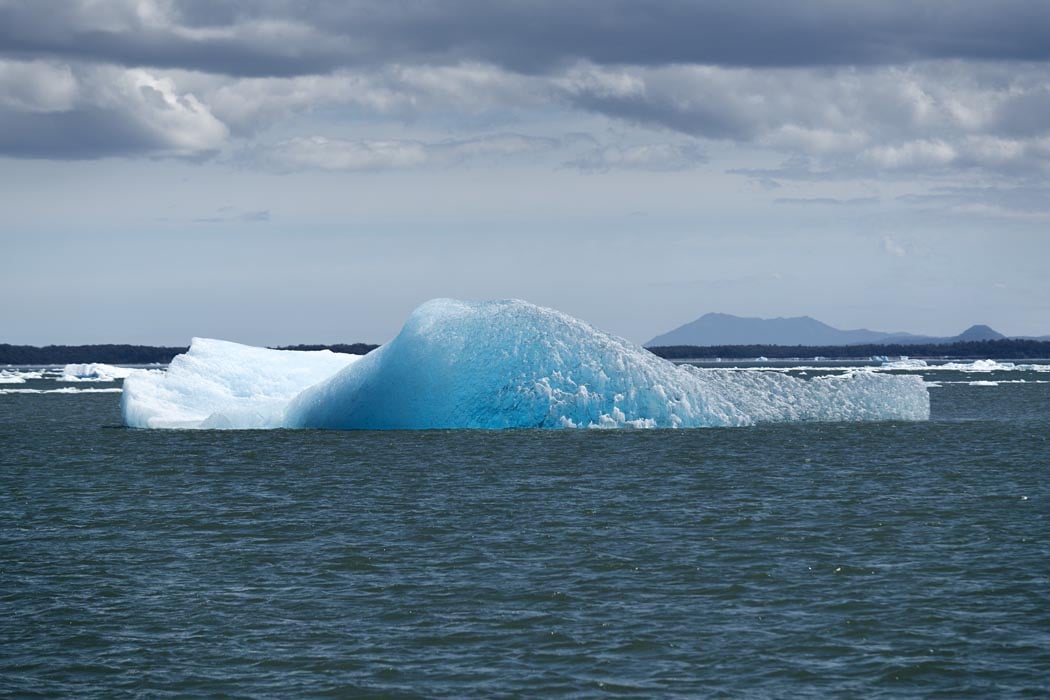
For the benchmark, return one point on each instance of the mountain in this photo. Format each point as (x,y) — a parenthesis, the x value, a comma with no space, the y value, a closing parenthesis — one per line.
(979,332)
(726,329)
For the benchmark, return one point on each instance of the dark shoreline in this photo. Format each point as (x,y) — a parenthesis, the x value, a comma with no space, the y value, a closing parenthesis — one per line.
(127,354)
(1006,349)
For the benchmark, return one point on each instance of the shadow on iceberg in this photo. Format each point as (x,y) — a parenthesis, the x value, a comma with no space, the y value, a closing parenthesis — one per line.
(497,364)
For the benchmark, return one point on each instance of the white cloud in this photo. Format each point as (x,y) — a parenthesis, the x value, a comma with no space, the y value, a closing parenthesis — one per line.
(333,154)
(393,92)
(49,110)
(179,121)
(893,248)
(913,154)
(651,157)
(930,116)
(317,152)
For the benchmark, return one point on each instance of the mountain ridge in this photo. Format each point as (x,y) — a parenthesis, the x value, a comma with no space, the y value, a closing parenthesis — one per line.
(726,329)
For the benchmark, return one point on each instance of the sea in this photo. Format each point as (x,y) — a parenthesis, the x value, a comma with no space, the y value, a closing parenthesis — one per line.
(849,560)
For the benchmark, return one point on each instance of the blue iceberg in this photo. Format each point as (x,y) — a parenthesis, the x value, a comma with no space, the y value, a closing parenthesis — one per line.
(503,364)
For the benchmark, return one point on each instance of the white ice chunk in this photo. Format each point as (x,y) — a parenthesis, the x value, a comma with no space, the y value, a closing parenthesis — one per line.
(218,384)
(93,372)
(9,377)
(905,363)
(979,366)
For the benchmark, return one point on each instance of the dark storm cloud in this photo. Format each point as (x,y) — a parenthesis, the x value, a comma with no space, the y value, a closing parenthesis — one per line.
(280,38)
(70,30)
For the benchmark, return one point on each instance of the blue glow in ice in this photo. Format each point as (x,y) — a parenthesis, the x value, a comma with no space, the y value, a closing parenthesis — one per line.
(510,364)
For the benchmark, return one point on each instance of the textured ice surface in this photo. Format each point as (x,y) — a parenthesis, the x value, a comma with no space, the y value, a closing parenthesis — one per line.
(501,364)
(510,364)
(218,384)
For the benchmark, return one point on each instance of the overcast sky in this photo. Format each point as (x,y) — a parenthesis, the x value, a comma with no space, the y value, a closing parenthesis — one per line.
(284,171)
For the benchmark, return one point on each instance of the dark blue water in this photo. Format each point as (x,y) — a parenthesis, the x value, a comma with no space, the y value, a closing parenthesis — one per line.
(851,560)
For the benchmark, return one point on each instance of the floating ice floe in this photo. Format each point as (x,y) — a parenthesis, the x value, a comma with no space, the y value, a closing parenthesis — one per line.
(11,377)
(93,372)
(501,364)
(904,363)
(975,366)
(979,366)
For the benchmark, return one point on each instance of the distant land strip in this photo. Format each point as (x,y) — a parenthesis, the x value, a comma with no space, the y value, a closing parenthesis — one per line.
(1006,349)
(127,354)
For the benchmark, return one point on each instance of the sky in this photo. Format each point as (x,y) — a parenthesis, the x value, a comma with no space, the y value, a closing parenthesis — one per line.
(286,171)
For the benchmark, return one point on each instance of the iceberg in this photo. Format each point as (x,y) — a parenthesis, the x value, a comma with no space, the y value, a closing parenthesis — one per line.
(492,365)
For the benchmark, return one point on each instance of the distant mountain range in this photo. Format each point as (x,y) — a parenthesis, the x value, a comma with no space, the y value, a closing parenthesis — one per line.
(726,329)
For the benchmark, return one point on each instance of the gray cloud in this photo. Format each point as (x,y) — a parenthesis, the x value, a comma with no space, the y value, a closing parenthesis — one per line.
(155,34)
(87,112)
(924,117)
(851,88)
(283,37)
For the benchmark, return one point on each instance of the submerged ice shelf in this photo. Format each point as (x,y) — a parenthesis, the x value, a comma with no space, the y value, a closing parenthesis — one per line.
(498,364)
